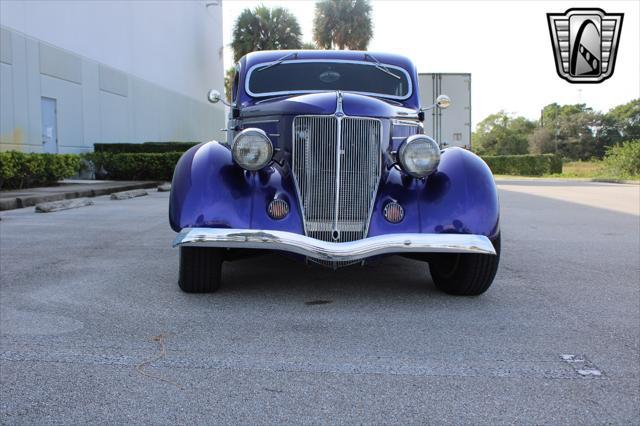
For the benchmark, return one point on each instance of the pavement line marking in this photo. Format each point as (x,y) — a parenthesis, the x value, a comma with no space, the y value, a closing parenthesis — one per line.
(581,365)
(547,368)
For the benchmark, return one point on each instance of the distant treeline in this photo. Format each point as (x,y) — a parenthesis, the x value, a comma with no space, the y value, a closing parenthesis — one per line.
(576,132)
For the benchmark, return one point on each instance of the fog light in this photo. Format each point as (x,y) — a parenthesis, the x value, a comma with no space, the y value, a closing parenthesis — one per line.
(393,212)
(278,209)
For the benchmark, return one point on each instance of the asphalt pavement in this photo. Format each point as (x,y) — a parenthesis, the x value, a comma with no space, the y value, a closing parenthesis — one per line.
(93,327)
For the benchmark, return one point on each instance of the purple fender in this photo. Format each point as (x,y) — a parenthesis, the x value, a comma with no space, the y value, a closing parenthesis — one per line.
(209,190)
(459,198)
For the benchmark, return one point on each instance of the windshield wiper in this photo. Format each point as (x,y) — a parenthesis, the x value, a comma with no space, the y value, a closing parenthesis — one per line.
(279,61)
(381,67)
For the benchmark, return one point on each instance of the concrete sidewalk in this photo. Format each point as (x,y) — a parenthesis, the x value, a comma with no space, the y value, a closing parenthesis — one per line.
(67,189)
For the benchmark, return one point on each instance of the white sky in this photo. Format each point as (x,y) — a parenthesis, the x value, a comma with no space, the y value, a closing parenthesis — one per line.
(505,45)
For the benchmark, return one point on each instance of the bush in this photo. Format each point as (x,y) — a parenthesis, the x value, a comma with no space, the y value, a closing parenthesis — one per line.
(146,147)
(524,165)
(136,166)
(624,160)
(22,170)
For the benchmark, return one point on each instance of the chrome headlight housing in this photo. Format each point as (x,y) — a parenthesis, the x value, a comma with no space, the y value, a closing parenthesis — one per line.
(419,155)
(252,149)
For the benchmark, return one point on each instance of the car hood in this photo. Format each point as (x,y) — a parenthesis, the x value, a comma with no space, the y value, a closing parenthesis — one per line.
(325,103)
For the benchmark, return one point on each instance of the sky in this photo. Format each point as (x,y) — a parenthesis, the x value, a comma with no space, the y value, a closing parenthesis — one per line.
(505,45)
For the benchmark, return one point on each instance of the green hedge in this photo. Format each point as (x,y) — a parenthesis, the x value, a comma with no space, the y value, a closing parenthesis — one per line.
(524,165)
(22,170)
(146,147)
(136,166)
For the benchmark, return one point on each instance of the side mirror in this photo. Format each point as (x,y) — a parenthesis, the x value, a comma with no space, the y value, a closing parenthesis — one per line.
(443,101)
(214,96)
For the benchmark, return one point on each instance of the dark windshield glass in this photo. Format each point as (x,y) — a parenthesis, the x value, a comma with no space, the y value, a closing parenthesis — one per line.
(300,77)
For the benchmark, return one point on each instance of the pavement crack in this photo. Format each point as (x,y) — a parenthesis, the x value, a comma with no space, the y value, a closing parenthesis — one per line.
(163,352)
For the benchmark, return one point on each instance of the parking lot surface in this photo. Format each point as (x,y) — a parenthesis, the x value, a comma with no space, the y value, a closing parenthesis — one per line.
(95,330)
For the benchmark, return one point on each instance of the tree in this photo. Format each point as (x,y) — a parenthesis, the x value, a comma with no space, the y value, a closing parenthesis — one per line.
(623,122)
(541,141)
(342,24)
(229,75)
(576,128)
(265,29)
(502,134)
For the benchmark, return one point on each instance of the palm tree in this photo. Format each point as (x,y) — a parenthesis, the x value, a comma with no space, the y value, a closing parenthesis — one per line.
(229,75)
(342,23)
(265,29)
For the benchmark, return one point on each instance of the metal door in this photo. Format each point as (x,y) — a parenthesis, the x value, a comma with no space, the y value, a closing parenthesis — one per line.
(49,125)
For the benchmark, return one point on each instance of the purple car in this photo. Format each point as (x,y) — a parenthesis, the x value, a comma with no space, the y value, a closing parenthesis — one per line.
(326,161)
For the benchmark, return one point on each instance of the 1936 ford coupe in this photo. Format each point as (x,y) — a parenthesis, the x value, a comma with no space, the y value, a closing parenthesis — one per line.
(326,161)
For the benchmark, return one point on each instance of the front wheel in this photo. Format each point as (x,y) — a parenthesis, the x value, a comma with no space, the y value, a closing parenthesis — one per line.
(200,269)
(465,274)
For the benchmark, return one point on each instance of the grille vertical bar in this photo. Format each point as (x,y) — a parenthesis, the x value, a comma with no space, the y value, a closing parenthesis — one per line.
(337,168)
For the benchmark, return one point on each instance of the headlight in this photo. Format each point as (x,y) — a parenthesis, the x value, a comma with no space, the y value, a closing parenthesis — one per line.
(419,155)
(252,149)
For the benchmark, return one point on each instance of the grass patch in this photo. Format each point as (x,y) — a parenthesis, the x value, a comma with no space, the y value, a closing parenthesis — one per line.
(582,169)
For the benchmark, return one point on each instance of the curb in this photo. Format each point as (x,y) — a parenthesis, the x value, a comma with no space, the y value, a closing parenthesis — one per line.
(21,202)
(626,182)
(565,179)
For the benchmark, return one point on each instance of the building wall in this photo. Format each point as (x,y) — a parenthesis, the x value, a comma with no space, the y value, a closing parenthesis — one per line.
(119,71)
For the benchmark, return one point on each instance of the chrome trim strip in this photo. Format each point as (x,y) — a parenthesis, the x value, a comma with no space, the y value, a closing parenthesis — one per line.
(382,95)
(249,121)
(339,115)
(405,123)
(324,250)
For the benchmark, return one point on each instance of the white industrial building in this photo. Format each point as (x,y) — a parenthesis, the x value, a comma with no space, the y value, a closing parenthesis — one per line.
(74,73)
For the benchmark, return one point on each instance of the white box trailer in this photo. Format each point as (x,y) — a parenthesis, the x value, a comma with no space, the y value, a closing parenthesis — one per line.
(452,126)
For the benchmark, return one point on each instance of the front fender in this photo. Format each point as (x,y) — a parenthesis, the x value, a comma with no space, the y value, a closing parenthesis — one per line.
(460,198)
(210,191)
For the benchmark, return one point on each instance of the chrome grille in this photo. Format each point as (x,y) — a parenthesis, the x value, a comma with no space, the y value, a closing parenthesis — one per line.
(336,163)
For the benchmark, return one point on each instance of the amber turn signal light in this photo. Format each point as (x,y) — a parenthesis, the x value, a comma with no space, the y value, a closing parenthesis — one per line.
(393,212)
(278,209)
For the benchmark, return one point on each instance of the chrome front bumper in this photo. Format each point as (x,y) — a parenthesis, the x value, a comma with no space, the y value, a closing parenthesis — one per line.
(322,250)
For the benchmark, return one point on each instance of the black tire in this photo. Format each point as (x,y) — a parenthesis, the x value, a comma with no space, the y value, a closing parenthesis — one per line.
(465,274)
(200,269)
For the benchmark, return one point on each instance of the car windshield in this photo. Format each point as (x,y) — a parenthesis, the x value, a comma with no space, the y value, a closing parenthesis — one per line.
(317,76)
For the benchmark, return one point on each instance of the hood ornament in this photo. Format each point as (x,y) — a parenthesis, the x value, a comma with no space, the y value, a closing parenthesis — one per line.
(339,111)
